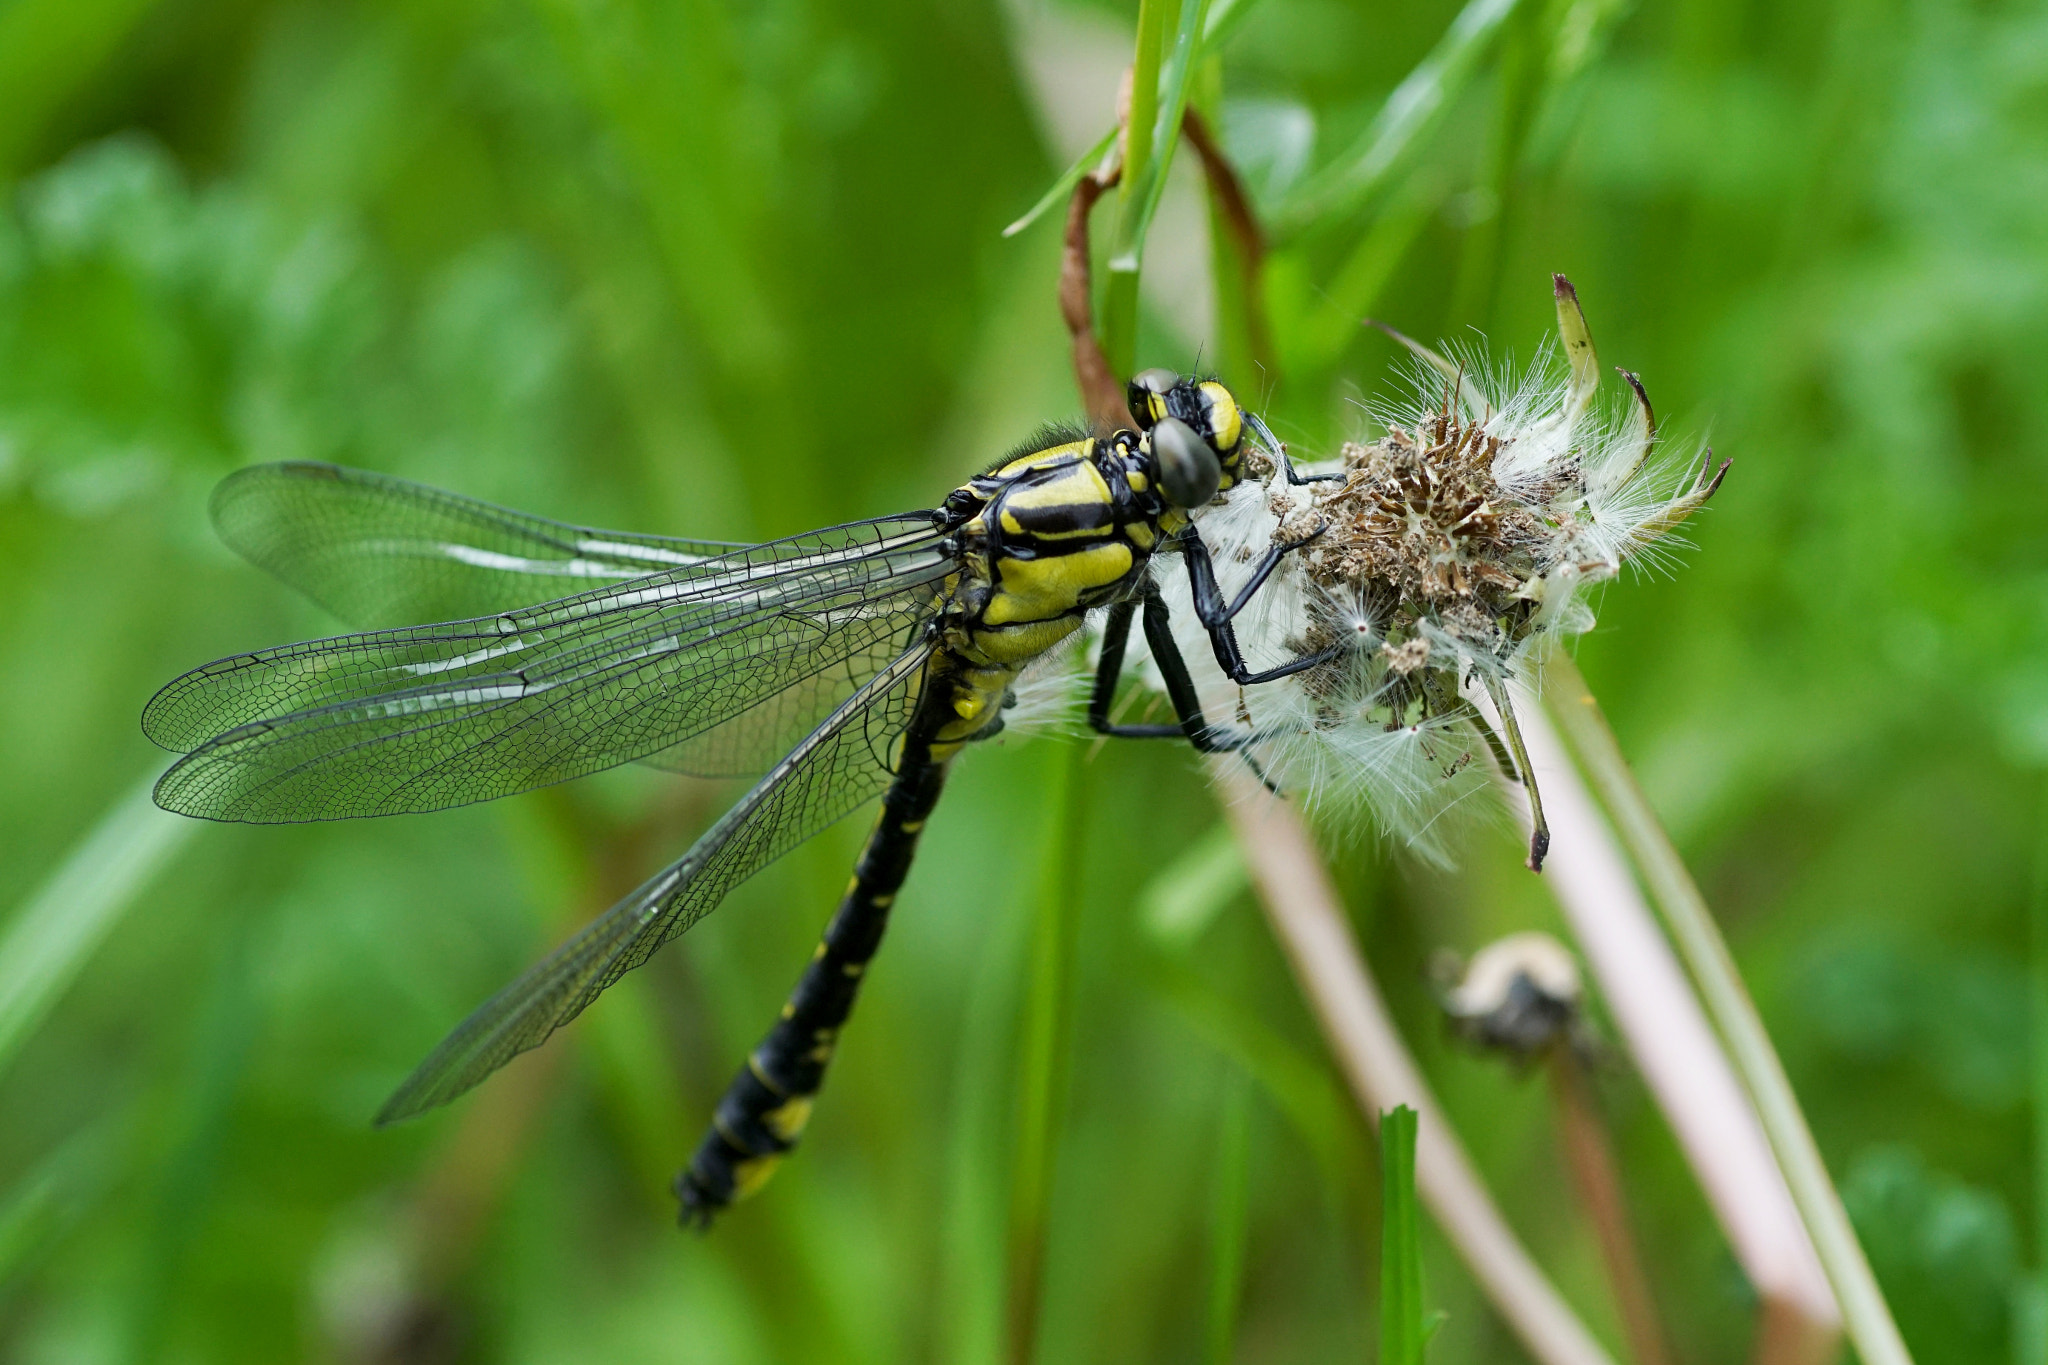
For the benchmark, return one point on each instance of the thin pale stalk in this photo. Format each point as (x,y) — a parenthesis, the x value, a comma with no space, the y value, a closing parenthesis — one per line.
(1042,1057)
(1865,1313)
(1302,906)
(1673,1046)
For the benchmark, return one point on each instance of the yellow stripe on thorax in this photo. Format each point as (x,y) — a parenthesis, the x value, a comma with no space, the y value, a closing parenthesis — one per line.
(1050,456)
(1053,585)
(1079,485)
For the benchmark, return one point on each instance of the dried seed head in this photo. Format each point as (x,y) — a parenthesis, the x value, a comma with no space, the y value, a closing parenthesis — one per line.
(1457,539)
(1521,995)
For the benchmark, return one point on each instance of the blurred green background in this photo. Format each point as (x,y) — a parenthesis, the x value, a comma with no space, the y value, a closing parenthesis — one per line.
(734,270)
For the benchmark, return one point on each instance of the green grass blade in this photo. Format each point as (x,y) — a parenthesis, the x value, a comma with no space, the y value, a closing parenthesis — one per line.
(1401,1325)
(1229,1218)
(55,933)
(1119,326)
(1064,186)
(56,1191)
(1343,186)
(2037,924)
(1184,898)
(1150,180)
(1042,1059)
(1353,293)
(1523,85)
(1225,18)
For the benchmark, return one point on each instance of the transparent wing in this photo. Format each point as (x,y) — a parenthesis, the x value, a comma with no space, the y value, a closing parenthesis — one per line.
(379,551)
(730,654)
(843,762)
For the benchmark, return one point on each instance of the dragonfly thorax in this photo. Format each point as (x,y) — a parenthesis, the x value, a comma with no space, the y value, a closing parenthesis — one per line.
(1045,537)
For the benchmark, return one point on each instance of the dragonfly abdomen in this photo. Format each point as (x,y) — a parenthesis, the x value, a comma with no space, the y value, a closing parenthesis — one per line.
(765,1108)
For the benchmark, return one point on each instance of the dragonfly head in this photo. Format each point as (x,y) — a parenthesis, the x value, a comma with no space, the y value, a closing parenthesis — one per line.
(1194,431)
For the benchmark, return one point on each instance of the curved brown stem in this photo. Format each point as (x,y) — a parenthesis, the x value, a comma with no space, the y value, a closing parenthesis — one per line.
(1235,208)
(1102,394)
(1598,1177)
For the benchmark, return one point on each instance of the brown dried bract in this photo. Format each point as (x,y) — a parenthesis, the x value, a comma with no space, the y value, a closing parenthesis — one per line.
(1421,524)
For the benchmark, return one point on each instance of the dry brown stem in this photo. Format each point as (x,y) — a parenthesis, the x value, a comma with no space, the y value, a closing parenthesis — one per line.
(1102,394)
(1598,1177)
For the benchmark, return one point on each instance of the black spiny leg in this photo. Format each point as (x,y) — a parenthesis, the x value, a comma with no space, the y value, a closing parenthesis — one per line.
(1173,669)
(1109,667)
(1180,688)
(1215,614)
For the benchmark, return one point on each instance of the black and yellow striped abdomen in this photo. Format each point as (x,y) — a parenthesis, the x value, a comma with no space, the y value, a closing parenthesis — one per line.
(765,1108)
(1040,540)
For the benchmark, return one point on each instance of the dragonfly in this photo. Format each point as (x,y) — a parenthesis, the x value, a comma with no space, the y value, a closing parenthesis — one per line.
(833,667)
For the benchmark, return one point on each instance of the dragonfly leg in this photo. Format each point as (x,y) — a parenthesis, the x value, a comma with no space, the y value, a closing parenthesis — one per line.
(1192,725)
(1278,450)
(763,1111)
(1216,614)
(1116,637)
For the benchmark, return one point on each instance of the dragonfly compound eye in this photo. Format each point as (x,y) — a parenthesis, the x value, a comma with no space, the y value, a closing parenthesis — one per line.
(1147,395)
(1188,468)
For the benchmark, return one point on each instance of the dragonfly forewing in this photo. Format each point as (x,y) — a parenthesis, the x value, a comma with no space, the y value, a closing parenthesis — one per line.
(379,551)
(430,717)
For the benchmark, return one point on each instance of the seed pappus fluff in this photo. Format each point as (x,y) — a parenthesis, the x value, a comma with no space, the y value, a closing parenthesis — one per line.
(1440,557)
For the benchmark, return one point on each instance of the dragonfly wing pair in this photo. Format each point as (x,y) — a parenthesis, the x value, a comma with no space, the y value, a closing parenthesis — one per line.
(797,659)
(384,552)
(726,657)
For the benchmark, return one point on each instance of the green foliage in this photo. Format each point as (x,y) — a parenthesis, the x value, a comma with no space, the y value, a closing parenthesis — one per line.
(732,270)
(1401,1322)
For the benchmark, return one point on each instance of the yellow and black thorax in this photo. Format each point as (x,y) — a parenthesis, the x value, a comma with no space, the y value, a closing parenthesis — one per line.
(1044,537)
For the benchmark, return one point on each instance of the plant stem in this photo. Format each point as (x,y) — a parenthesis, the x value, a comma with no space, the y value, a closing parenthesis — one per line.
(1679,1056)
(1042,1059)
(1302,907)
(1400,1242)
(1120,292)
(2037,923)
(1229,1213)
(1865,1314)
(1598,1177)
